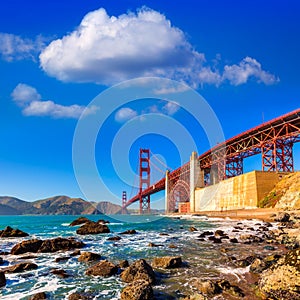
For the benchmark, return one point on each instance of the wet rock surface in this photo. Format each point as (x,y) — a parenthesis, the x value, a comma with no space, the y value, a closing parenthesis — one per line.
(167,262)
(103,268)
(130,231)
(10,232)
(140,269)
(21,267)
(92,228)
(88,256)
(43,246)
(138,290)
(79,221)
(2,279)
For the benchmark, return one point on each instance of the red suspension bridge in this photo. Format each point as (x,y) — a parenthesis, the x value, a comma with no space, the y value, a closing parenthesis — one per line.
(274,140)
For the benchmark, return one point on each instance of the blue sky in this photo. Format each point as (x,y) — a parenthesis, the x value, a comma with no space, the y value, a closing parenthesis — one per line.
(56,56)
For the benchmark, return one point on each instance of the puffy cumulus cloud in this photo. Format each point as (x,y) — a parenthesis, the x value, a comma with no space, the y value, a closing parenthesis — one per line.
(247,68)
(29,99)
(125,114)
(14,47)
(106,49)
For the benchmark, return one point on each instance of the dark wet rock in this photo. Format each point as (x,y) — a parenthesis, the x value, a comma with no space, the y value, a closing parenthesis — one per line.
(140,269)
(130,231)
(21,267)
(57,244)
(263,228)
(1,261)
(238,227)
(4,253)
(250,238)
(268,224)
(138,290)
(92,228)
(167,262)
(242,263)
(2,279)
(75,253)
(80,221)
(123,264)
(217,241)
(231,289)
(192,229)
(163,234)
(88,256)
(219,233)
(78,296)
(38,296)
(195,296)
(27,246)
(154,245)
(258,266)
(10,232)
(51,245)
(224,237)
(172,246)
(60,273)
(103,268)
(114,238)
(282,280)
(206,233)
(233,240)
(62,258)
(282,217)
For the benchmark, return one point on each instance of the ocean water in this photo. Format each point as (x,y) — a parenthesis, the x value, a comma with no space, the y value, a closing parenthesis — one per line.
(200,257)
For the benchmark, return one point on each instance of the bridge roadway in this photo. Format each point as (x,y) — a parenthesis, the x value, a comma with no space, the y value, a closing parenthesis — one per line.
(260,139)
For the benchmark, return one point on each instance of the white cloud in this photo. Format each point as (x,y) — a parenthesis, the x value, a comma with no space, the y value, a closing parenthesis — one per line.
(247,68)
(106,49)
(125,114)
(207,76)
(14,47)
(29,99)
(170,108)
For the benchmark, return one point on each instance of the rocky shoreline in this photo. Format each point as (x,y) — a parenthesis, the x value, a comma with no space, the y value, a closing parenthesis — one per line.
(244,260)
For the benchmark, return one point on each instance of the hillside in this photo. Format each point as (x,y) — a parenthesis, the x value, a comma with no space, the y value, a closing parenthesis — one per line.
(58,205)
(285,194)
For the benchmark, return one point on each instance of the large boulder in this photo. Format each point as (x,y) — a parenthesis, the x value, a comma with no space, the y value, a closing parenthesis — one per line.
(167,262)
(103,268)
(282,217)
(57,244)
(88,256)
(51,245)
(140,269)
(92,228)
(21,267)
(138,290)
(282,280)
(27,246)
(79,221)
(10,232)
(2,279)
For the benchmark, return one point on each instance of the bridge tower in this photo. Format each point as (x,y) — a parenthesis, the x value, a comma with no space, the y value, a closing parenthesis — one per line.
(144,180)
(124,200)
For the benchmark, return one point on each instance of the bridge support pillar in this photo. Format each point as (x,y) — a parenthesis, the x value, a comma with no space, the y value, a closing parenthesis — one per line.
(124,200)
(167,209)
(196,178)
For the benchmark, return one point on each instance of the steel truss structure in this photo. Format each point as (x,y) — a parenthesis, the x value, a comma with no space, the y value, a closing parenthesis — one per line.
(274,140)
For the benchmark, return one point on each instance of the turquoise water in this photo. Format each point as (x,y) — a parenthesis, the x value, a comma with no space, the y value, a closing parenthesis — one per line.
(130,247)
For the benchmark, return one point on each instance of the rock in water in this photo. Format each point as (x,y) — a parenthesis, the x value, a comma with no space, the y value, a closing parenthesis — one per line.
(140,269)
(167,262)
(130,231)
(10,232)
(192,229)
(79,221)
(21,267)
(2,279)
(103,268)
(92,228)
(51,245)
(88,256)
(27,246)
(77,296)
(138,290)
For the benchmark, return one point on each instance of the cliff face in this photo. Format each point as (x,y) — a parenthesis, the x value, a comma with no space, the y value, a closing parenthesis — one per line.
(59,205)
(285,194)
